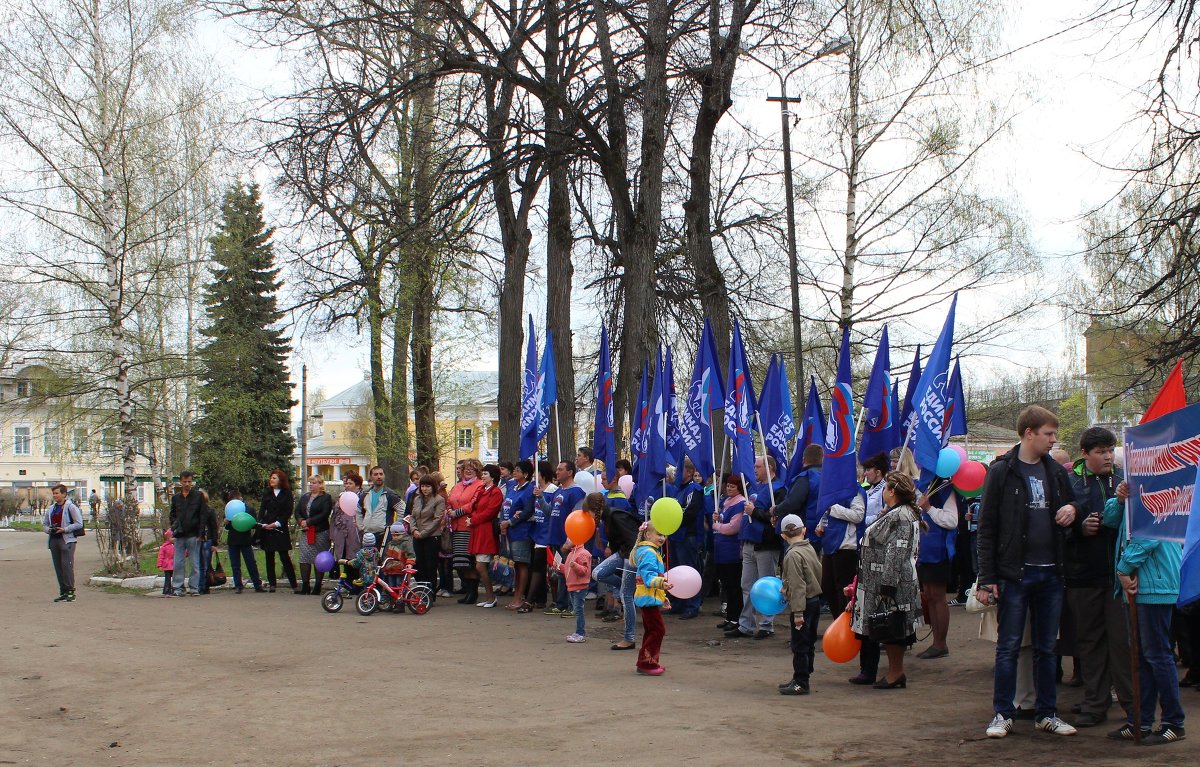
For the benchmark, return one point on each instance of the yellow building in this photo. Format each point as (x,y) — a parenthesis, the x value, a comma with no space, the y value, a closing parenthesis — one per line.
(341,431)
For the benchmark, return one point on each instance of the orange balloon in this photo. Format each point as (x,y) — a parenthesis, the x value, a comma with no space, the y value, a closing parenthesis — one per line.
(839,643)
(580,527)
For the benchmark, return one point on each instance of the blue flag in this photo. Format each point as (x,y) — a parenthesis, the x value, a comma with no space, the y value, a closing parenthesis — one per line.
(931,397)
(639,441)
(879,427)
(674,437)
(839,473)
(812,430)
(653,467)
(1189,573)
(604,447)
(906,412)
(704,394)
(547,388)
(529,398)
(740,407)
(775,414)
(956,411)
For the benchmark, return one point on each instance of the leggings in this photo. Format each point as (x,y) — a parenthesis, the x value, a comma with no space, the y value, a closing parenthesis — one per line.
(537,576)
(730,577)
(285,559)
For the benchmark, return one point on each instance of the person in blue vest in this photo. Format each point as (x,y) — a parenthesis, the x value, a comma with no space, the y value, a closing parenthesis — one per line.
(685,546)
(566,499)
(761,546)
(804,492)
(934,557)
(516,525)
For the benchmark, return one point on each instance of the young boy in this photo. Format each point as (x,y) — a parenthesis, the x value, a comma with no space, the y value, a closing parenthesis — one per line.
(802,589)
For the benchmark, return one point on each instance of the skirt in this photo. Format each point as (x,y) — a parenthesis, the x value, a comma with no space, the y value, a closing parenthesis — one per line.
(462,546)
(521,552)
(309,551)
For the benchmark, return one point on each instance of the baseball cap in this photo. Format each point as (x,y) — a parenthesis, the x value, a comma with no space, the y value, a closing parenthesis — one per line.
(791,523)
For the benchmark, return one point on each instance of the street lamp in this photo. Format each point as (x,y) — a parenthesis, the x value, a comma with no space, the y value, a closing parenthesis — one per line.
(830,48)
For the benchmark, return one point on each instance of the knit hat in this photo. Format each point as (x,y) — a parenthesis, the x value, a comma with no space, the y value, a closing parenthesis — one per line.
(168,534)
(368,539)
(791,524)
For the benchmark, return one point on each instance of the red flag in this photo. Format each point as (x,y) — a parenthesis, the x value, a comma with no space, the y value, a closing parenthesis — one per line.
(1170,397)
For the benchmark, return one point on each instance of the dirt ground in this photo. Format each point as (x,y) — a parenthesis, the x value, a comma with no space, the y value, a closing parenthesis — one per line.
(270,679)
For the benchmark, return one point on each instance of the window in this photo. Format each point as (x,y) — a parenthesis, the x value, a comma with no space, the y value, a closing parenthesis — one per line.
(22,441)
(333,434)
(465,438)
(22,388)
(51,440)
(79,440)
(139,444)
(493,439)
(108,441)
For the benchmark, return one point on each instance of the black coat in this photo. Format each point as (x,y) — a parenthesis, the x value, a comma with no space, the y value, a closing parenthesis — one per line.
(187,514)
(318,516)
(1004,523)
(236,538)
(1090,559)
(275,508)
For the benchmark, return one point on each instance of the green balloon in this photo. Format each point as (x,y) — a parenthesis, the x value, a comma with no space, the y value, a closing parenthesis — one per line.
(243,522)
(971,493)
(666,515)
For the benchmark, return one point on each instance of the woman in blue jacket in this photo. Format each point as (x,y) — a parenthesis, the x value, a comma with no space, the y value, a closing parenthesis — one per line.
(1149,574)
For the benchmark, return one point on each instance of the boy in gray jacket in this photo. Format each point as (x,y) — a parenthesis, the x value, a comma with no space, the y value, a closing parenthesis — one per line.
(801,573)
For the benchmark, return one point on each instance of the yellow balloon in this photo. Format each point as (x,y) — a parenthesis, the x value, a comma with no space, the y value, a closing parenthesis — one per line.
(666,515)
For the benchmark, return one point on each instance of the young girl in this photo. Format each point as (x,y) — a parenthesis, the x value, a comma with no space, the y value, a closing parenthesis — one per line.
(650,595)
(577,570)
(166,561)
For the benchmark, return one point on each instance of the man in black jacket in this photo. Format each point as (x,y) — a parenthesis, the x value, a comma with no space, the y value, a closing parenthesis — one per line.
(1028,504)
(1101,637)
(187,518)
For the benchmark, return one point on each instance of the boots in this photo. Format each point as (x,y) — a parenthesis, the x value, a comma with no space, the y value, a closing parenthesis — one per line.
(472,592)
(305,571)
(317,588)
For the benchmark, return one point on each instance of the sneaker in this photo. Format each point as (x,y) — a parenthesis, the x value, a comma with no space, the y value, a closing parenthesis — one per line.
(443,593)
(1090,719)
(1054,726)
(70,596)
(61,598)
(1167,733)
(788,683)
(957,602)
(795,688)
(590,596)
(999,727)
(576,638)
(554,611)
(1126,733)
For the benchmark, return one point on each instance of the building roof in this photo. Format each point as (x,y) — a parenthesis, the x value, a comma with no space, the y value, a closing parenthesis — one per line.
(357,395)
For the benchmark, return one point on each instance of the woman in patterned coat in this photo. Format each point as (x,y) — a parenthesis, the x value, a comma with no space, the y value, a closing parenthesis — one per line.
(887,571)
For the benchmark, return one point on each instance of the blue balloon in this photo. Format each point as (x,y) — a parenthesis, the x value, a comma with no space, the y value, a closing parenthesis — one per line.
(948,462)
(767,595)
(233,508)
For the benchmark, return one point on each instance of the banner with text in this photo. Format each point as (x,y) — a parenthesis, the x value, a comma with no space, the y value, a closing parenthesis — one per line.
(1160,466)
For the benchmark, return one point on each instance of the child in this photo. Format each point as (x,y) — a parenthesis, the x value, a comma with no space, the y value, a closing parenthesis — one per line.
(577,569)
(166,561)
(393,573)
(365,562)
(650,595)
(802,589)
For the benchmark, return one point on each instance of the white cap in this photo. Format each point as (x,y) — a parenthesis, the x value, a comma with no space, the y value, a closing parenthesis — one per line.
(791,522)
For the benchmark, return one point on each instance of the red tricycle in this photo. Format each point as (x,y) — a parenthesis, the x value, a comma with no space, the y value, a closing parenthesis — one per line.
(379,594)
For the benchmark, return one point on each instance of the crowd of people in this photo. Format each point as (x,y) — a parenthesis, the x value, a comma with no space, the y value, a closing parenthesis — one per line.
(1043,544)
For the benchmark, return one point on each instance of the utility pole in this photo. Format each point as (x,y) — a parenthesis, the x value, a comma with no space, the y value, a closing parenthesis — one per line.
(303,424)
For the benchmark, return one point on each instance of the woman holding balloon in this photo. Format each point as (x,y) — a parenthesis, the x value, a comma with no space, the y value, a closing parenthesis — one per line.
(343,525)
(887,578)
(239,523)
(312,513)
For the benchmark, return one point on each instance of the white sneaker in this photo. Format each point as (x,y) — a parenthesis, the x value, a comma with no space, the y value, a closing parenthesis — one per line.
(1054,726)
(576,638)
(999,726)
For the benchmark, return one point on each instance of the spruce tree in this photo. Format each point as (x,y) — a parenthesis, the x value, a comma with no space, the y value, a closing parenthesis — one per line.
(244,431)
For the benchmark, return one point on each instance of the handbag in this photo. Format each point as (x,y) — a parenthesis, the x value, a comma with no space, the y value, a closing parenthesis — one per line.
(974,605)
(216,572)
(887,625)
(447,538)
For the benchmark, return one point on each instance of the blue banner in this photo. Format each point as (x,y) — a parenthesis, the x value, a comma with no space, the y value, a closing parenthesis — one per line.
(1160,467)
(880,421)
(931,397)
(604,447)
(839,473)
(955,423)
(547,389)
(529,398)
(674,438)
(704,395)
(653,466)
(740,407)
(639,440)
(910,389)
(775,414)
(812,430)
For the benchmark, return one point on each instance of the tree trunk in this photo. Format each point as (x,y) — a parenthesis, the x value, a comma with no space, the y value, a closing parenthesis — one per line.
(850,260)
(401,331)
(381,406)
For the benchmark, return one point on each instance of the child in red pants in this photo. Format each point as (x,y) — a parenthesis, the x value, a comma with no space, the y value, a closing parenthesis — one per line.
(649,596)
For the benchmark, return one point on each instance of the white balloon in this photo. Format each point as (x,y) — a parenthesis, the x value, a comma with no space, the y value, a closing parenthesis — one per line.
(586,480)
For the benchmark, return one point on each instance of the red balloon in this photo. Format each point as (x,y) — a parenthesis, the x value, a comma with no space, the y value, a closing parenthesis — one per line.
(969,476)
(839,643)
(580,527)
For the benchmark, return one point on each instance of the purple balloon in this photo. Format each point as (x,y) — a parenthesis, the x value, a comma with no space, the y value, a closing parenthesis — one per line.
(324,561)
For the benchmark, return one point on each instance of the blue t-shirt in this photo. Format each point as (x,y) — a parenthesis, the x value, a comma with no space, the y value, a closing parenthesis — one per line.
(518,510)
(565,501)
(541,515)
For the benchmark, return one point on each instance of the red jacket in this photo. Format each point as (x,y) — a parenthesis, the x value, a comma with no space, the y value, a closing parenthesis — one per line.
(483,511)
(462,497)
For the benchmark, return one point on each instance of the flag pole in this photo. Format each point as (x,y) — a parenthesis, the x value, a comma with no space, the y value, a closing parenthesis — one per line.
(558,430)
(858,424)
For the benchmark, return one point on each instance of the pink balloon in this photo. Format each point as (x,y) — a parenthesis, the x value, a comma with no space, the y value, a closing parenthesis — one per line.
(348,502)
(962,452)
(685,581)
(625,483)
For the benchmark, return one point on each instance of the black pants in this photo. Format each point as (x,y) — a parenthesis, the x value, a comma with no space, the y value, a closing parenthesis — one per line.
(868,658)
(730,576)
(537,576)
(838,569)
(427,550)
(804,640)
(285,559)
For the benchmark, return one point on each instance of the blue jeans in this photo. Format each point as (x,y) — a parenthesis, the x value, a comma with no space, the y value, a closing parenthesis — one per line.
(189,548)
(685,552)
(237,554)
(205,561)
(578,602)
(1156,666)
(562,600)
(1040,595)
(617,572)
(608,572)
